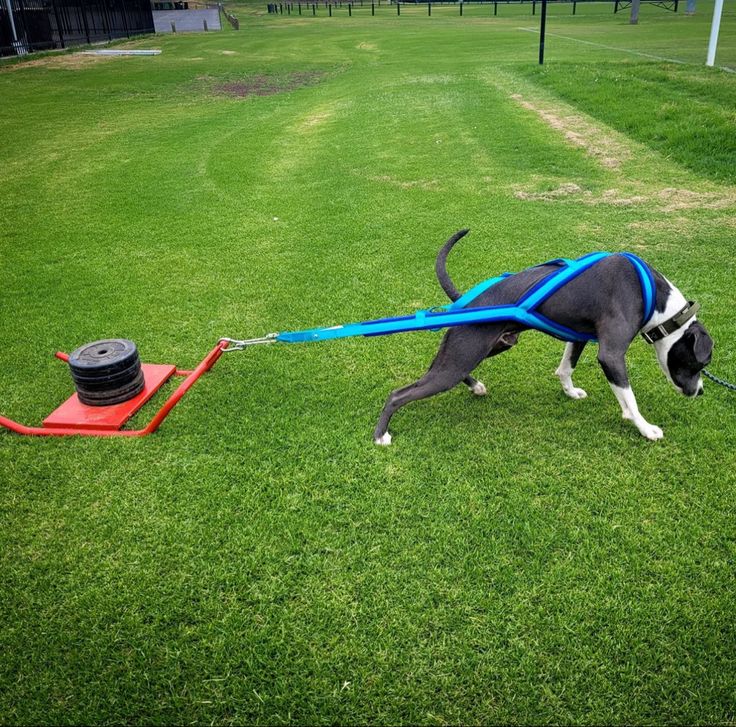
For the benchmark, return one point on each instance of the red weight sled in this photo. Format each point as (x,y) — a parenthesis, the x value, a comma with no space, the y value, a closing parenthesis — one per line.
(74,417)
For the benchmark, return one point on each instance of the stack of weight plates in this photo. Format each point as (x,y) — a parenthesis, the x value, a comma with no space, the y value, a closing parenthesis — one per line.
(106,372)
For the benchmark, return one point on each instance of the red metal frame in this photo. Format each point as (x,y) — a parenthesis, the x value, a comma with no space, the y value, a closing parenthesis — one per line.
(103,430)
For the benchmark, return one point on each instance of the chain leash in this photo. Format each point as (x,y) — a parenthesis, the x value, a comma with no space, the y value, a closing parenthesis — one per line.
(719,381)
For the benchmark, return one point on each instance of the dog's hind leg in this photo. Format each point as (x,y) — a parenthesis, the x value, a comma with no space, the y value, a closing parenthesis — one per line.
(477,387)
(506,340)
(567,366)
(460,352)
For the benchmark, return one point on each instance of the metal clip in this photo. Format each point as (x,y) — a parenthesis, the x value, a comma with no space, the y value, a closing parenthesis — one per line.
(238,345)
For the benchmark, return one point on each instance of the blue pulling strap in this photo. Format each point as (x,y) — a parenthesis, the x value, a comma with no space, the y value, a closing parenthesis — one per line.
(457,314)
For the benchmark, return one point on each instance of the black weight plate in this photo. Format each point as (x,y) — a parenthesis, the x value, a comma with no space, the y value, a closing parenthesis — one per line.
(93,374)
(114,396)
(108,380)
(103,389)
(110,391)
(103,357)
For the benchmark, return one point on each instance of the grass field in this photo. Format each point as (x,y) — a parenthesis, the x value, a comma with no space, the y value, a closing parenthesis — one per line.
(518,558)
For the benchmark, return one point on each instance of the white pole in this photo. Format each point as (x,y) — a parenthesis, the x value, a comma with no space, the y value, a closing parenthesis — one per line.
(12,22)
(713,42)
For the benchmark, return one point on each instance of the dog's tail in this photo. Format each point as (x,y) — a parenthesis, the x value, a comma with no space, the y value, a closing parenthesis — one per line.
(440,266)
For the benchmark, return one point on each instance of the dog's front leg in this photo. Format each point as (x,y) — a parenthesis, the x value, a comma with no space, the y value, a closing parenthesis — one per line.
(567,366)
(613,362)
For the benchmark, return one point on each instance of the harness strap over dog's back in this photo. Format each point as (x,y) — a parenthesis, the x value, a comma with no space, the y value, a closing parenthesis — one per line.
(646,280)
(524,311)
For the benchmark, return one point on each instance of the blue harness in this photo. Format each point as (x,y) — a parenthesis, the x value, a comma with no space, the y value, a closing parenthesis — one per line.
(524,311)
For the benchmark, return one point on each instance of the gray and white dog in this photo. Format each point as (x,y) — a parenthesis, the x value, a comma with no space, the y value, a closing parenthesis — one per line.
(606,301)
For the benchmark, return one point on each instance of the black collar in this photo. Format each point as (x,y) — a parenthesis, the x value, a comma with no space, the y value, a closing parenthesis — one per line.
(671,324)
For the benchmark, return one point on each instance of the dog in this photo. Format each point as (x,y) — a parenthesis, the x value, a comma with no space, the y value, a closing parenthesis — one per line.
(605,301)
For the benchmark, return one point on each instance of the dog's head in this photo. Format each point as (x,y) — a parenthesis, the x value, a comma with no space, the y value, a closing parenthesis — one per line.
(684,358)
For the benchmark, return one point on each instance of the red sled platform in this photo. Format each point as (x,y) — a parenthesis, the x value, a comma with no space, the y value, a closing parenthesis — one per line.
(73,417)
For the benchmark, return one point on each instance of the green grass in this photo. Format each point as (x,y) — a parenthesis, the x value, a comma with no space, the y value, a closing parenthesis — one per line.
(520,558)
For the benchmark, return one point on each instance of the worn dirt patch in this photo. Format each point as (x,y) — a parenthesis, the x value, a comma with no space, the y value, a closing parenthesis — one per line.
(268,85)
(427,184)
(64,61)
(669,199)
(673,199)
(612,197)
(564,190)
(431,79)
(315,119)
(616,197)
(580,132)
(366,46)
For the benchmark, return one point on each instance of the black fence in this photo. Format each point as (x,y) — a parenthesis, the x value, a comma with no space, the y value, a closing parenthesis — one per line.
(310,7)
(47,24)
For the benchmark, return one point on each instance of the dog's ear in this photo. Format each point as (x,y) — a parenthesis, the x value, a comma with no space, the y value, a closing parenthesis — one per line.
(702,346)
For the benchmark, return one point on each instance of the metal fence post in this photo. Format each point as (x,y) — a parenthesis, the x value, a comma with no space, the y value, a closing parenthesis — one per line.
(107,20)
(58,23)
(84,20)
(15,42)
(429,9)
(124,13)
(542,24)
(398,8)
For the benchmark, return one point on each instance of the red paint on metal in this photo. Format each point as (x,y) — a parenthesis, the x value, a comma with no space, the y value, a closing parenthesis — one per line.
(73,414)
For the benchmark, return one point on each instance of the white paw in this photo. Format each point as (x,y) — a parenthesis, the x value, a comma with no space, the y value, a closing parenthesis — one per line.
(650,431)
(575,393)
(479,388)
(384,440)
